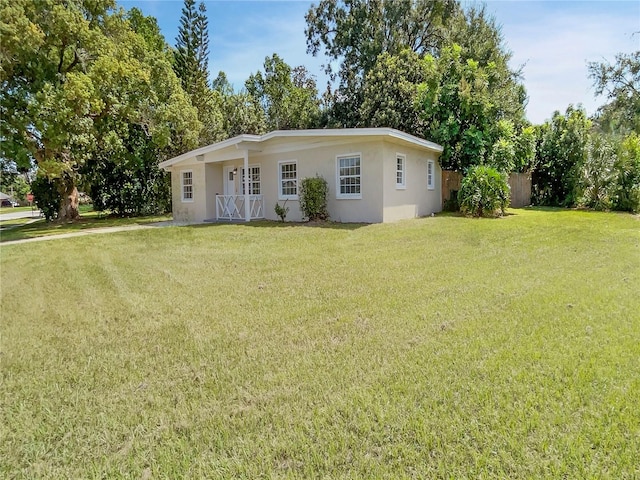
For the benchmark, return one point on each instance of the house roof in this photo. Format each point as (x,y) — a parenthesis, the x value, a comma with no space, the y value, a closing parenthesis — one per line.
(257,142)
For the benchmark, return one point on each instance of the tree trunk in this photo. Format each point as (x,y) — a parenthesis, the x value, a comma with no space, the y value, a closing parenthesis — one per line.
(69,205)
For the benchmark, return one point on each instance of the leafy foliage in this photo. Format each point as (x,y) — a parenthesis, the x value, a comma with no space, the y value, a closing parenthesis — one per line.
(281,210)
(355,33)
(390,92)
(621,84)
(599,177)
(45,193)
(484,192)
(626,195)
(241,112)
(288,96)
(191,65)
(313,198)
(560,157)
(85,79)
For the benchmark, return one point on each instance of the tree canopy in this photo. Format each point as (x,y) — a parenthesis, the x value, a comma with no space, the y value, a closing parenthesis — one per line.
(77,86)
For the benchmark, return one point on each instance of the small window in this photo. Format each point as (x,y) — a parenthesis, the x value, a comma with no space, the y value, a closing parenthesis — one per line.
(401,162)
(254,180)
(349,176)
(288,180)
(431,184)
(187,185)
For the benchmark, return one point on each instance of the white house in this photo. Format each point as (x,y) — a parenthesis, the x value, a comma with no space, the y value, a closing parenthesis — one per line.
(374,175)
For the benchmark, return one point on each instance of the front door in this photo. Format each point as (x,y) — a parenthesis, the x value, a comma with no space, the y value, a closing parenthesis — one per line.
(229,181)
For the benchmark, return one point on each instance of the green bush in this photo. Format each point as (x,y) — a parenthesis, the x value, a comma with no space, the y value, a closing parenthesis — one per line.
(626,195)
(46,196)
(282,210)
(599,176)
(484,192)
(313,198)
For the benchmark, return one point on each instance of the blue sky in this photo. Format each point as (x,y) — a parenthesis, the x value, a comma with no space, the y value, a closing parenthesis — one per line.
(553,40)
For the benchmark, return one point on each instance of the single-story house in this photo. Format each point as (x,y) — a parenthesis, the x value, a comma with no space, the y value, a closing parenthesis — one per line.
(374,175)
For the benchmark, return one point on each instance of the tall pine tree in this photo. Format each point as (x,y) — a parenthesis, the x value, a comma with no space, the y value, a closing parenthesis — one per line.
(192,67)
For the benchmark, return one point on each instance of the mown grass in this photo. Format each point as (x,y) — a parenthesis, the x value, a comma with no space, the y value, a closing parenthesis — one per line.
(22,229)
(443,347)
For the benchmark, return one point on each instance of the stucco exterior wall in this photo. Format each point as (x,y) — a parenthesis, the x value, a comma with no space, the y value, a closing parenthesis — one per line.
(380,200)
(415,199)
(189,211)
(323,161)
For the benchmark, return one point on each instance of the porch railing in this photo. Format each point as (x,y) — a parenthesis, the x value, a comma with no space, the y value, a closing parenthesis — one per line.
(231,207)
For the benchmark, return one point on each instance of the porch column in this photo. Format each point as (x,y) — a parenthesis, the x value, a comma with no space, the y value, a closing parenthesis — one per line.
(247,206)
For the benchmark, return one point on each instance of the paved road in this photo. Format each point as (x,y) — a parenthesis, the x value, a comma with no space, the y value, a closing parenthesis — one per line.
(20,214)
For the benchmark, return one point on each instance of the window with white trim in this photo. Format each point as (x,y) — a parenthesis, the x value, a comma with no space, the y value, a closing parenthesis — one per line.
(431,184)
(401,162)
(288,180)
(254,180)
(186,185)
(349,176)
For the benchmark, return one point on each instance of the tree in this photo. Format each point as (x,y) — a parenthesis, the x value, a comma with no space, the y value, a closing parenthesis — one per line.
(241,112)
(357,32)
(71,94)
(192,67)
(48,97)
(426,67)
(125,178)
(560,158)
(391,91)
(621,84)
(288,96)
(598,176)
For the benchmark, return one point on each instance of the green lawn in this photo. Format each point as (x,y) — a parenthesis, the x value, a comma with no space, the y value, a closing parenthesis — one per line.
(442,347)
(23,228)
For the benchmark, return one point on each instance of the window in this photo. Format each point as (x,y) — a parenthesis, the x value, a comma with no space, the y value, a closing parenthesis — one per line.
(349,179)
(431,184)
(401,162)
(187,185)
(254,180)
(288,180)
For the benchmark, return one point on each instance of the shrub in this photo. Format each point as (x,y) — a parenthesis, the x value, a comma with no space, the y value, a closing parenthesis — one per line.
(47,197)
(626,195)
(282,211)
(484,191)
(598,174)
(313,198)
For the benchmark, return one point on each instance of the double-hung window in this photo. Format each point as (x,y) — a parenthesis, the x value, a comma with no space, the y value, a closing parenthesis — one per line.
(186,182)
(254,180)
(349,181)
(401,173)
(288,180)
(431,183)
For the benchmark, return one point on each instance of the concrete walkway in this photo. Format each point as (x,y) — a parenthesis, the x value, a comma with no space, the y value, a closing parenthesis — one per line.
(90,231)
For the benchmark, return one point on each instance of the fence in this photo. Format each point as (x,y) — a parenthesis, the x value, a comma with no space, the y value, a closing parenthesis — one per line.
(520,184)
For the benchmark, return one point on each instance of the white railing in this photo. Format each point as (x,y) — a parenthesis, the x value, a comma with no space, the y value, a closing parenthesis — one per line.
(231,207)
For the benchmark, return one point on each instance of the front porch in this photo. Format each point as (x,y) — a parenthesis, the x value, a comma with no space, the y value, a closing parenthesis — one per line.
(234,207)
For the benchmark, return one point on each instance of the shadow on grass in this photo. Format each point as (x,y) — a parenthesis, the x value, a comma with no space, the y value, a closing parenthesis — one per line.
(277,224)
